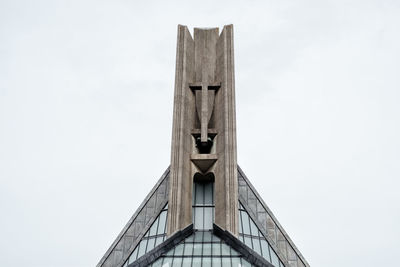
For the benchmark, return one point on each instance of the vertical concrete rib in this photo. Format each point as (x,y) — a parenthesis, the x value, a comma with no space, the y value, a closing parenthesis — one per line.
(179,214)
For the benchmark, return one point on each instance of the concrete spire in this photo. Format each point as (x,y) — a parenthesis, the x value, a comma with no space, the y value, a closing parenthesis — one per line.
(204,126)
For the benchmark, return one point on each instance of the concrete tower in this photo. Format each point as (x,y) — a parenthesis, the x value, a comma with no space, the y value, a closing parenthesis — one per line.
(203,211)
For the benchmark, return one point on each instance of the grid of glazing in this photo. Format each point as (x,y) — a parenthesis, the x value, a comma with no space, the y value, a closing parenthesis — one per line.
(203,205)
(254,239)
(202,249)
(154,236)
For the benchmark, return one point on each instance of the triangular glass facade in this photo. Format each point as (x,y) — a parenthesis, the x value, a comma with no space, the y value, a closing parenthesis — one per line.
(201,249)
(254,239)
(153,237)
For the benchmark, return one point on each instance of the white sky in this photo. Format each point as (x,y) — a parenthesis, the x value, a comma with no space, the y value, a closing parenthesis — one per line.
(86,90)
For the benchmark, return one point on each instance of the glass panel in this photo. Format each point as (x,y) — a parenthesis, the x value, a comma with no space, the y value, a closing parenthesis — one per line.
(199,193)
(216,249)
(161,225)
(197,249)
(208,218)
(225,249)
(234,252)
(177,262)
(187,262)
(157,263)
(245,222)
(142,248)
(198,218)
(198,237)
(274,258)
(236,262)
(240,224)
(188,249)
(265,250)
(207,237)
(206,249)
(196,262)
(257,242)
(206,262)
(226,262)
(170,252)
(245,263)
(159,240)
(256,245)
(150,244)
(254,229)
(216,262)
(208,193)
(247,241)
(179,250)
(153,228)
(133,256)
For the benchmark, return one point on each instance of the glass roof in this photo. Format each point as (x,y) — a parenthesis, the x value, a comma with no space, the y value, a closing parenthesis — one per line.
(254,239)
(201,249)
(153,237)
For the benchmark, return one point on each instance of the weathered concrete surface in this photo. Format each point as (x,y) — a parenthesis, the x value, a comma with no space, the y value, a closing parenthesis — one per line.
(138,225)
(268,224)
(204,103)
(180,194)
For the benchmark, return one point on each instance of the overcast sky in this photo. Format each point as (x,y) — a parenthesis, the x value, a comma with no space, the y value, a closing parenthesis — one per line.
(86,94)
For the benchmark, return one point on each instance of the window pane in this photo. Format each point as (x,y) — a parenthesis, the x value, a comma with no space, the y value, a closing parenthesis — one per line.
(254,229)
(247,241)
(177,262)
(179,250)
(225,250)
(245,222)
(188,249)
(142,248)
(207,237)
(265,250)
(216,262)
(197,249)
(133,256)
(198,237)
(208,193)
(245,263)
(187,262)
(226,262)
(161,224)
(216,248)
(150,244)
(240,225)
(206,262)
(274,258)
(207,249)
(157,263)
(153,228)
(196,262)
(199,193)
(159,240)
(198,218)
(167,262)
(257,246)
(236,262)
(208,218)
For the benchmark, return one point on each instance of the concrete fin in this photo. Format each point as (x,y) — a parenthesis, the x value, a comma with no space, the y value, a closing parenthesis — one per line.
(138,225)
(267,223)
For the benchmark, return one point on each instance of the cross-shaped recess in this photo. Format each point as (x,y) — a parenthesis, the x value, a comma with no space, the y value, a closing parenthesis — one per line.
(206,109)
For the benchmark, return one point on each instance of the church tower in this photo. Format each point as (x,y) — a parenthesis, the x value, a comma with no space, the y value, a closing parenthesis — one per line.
(203,211)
